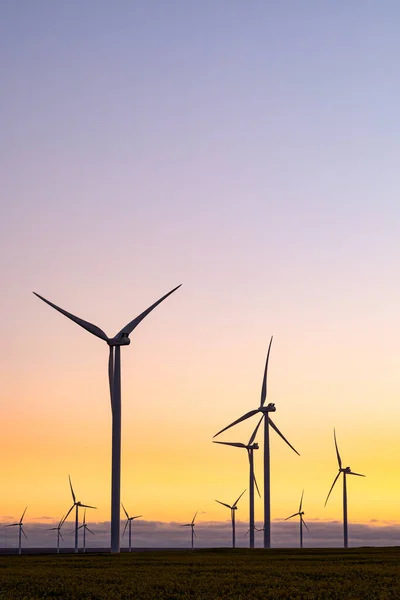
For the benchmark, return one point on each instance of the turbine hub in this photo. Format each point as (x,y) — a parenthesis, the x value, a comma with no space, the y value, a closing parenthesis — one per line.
(269,408)
(123,340)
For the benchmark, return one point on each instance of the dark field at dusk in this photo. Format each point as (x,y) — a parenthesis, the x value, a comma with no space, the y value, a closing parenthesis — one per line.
(365,574)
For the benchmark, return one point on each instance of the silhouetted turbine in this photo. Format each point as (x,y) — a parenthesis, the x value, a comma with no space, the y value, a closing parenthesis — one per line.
(267,422)
(21,531)
(302,522)
(76,505)
(129,521)
(114,376)
(345,471)
(59,534)
(250,447)
(192,526)
(233,509)
(85,528)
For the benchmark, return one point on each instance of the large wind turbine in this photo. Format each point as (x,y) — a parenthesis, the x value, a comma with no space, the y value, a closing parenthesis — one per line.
(114,375)
(345,471)
(21,531)
(233,509)
(302,521)
(130,519)
(250,447)
(192,526)
(75,505)
(85,528)
(267,422)
(59,534)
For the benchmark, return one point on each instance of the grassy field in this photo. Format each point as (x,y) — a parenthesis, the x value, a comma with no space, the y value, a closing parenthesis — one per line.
(364,574)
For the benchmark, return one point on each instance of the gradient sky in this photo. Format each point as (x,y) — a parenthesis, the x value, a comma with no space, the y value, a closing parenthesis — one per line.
(248,150)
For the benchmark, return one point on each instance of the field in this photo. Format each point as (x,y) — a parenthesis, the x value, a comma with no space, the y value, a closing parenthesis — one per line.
(364,574)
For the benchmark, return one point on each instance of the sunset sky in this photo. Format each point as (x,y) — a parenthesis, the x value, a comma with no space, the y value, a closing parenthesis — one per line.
(250,152)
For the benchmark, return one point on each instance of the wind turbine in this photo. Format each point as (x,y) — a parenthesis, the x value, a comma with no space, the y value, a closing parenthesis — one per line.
(302,522)
(345,471)
(76,505)
(85,528)
(192,526)
(59,534)
(267,423)
(114,376)
(130,519)
(250,447)
(233,509)
(21,530)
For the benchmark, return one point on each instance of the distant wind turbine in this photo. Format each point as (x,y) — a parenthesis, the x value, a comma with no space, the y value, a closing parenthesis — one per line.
(267,422)
(302,522)
(114,376)
(21,531)
(233,509)
(192,526)
(59,534)
(85,528)
(75,505)
(345,471)
(250,447)
(129,521)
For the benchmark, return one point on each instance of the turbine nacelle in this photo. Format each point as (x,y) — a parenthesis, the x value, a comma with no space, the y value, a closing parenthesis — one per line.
(345,470)
(120,340)
(269,408)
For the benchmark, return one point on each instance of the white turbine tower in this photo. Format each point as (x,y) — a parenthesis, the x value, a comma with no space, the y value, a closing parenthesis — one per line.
(233,509)
(114,375)
(250,447)
(192,526)
(75,505)
(21,531)
(345,471)
(129,521)
(267,423)
(302,521)
(59,534)
(85,528)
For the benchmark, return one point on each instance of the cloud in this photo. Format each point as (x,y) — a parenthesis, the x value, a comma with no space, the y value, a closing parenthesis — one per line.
(157,534)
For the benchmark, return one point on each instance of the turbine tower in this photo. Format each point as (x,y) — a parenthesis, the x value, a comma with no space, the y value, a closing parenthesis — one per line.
(85,528)
(250,447)
(21,531)
(76,505)
(265,410)
(233,509)
(302,522)
(114,376)
(130,519)
(59,534)
(345,471)
(192,526)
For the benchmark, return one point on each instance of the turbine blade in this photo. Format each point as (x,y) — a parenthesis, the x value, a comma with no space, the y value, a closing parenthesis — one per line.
(334,481)
(61,522)
(67,515)
(264,383)
(85,324)
(282,436)
(358,474)
(126,525)
(111,373)
(256,484)
(127,516)
(14,524)
(247,532)
(223,504)
(337,450)
(23,515)
(80,526)
(253,435)
(84,516)
(291,517)
(87,506)
(22,529)
(131,326)
(52,529)
(72,490)
(301,500)
(194,517)
(194,534)
(92,532)
(188,524)
(137,517)
(235,444)
(61,536)
(304,523)
(238,499)
(246,416)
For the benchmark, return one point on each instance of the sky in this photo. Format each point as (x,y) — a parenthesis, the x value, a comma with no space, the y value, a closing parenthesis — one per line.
(248,151)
